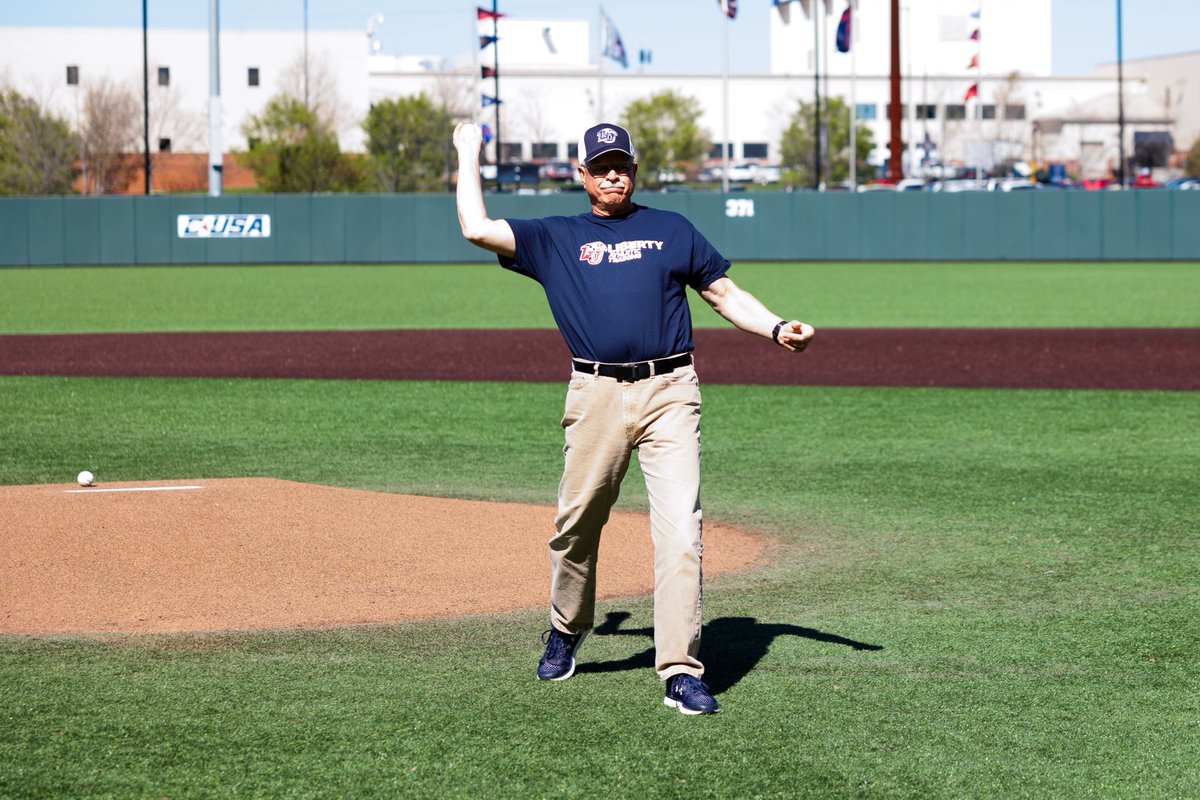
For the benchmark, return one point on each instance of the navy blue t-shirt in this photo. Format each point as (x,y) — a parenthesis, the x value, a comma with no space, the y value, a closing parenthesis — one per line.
(617,286)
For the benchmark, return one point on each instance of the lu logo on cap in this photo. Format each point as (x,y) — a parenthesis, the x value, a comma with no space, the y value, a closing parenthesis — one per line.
(604,138)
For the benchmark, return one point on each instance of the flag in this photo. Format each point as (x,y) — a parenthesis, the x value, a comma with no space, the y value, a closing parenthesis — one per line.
(975,35)
(728,7)
(488,100)
(484,41)
(843,32)
(483,13)
(972,91)
(613,48)
(486,130)
(974,61)
(488,72)
(783,5)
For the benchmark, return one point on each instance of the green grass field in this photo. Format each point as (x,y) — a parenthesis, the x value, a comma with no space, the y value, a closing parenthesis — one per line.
(972,593)
(872,295)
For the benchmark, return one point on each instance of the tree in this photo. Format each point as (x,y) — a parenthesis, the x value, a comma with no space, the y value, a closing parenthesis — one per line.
(1193,158)
(408,143)
(111,127)
(667,135)
(37,150)
(796,144)
(314,84)
(291,151)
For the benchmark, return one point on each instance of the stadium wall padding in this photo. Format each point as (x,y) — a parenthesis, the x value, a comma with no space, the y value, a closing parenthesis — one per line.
(1139,225)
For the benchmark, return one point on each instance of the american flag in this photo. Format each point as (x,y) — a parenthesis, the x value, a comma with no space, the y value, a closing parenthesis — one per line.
(728,7)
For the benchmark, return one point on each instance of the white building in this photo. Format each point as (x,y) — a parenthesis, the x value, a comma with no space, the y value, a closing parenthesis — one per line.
(55,66)
(551,88)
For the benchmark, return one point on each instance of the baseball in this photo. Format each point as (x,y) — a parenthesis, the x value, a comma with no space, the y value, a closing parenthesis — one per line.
(86,478)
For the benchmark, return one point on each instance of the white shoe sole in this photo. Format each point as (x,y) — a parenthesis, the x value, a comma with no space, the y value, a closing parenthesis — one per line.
(669,703)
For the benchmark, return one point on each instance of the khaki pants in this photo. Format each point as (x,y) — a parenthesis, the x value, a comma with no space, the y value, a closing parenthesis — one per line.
(603,422)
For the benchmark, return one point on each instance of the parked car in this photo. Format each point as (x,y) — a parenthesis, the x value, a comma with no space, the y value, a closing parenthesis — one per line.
(1011,185)
(556,171)
(911,185)
(1182,183)
(958,185)
(1145,180)
(749,172)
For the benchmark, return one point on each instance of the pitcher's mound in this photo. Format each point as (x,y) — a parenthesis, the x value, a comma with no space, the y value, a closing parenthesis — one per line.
(265,553)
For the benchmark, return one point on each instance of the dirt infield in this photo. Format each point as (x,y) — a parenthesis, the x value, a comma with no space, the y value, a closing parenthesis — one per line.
(264,553)
(1088,358)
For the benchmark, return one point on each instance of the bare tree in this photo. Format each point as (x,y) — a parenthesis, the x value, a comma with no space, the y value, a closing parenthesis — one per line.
(453,93)
(319,93)
(111,127)
(1010,141)
(185,128)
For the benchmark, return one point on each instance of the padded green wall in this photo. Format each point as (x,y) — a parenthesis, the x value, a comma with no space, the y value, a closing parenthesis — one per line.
(764,226)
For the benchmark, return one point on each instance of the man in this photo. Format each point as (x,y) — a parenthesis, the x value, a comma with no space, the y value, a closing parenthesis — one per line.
(615,279)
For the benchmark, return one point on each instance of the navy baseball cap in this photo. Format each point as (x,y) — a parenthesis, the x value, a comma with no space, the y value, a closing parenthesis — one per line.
(605,138)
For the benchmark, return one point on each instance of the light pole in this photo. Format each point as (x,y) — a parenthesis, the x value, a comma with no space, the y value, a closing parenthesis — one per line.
(146,94)
(306,55)
(373,22)
(215,149)
(1120,102)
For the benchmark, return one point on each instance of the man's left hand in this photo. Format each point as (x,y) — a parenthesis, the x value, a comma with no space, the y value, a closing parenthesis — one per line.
(795,335)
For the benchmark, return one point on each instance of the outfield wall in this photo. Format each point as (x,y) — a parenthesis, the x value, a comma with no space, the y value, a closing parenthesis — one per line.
(1151,225)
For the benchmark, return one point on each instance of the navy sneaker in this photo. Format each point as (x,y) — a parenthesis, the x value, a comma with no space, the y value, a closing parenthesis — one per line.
(558,662)
(689,695)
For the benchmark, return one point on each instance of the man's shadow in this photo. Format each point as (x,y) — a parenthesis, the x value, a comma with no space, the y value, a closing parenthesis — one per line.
(732,646)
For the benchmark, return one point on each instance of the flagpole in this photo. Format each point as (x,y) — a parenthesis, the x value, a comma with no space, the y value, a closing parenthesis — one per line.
(1120,100)
(906,90)
(476,109)
(600,65)
(817,96)
(496,87)
(979,101)
(725,102)
(853,101)
(826,155)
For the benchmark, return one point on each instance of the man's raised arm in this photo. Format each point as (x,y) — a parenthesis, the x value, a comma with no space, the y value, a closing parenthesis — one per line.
(490,234)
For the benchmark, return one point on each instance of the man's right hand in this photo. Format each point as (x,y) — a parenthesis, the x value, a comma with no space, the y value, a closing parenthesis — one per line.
(468,138)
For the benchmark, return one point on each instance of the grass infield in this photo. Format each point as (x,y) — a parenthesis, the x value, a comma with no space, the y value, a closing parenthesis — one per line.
(867,295)
(972,593)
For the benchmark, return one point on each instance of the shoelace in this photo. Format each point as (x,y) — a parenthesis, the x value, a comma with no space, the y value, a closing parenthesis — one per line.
(557,645)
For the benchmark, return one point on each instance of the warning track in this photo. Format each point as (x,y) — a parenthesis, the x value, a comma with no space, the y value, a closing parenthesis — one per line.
(1074,358)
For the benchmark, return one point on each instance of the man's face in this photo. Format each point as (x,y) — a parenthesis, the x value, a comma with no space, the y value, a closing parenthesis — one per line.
(608,179)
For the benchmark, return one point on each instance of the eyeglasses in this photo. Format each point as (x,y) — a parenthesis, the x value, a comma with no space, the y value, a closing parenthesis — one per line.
(600,170)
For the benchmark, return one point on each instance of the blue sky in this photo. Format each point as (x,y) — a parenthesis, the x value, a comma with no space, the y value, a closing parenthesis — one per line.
(684,35)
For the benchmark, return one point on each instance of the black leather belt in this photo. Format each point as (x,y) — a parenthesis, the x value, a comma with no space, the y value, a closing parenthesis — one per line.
(637,371)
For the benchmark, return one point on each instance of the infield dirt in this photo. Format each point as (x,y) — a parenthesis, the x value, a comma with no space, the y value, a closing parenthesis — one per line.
(265,553)
(1084,358)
